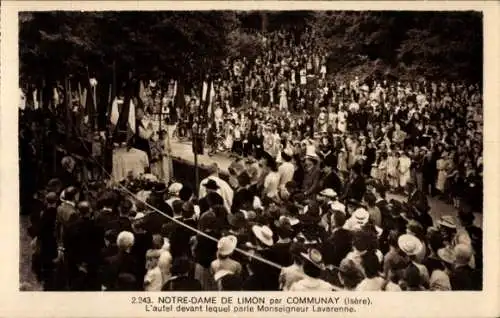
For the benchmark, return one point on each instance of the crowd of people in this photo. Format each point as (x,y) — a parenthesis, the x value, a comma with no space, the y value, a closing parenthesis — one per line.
(259,230)
(304,206)
(428,131)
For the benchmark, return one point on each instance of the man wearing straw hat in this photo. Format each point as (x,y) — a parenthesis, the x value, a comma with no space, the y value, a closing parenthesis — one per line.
(313,266)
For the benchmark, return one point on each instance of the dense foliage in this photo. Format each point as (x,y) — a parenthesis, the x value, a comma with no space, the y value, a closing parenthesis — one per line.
(187,44)
(429,44)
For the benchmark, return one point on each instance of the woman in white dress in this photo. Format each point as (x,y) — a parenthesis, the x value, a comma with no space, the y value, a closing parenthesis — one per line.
(404,170)
(392,169)
(322,121)
(271,182)
(228,143)
(332,118)
(382,169)
(342,120)
(342,161)
(268,141)
(442,166)
(283,99)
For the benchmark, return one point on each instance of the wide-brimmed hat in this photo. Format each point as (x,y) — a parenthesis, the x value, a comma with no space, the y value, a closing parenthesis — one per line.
(337,206)
(446,255)
(447,221)
(222,273)
(329,193)
(226,245)
(361,216)
(410,244)
(211,185)
(139,216)
(314,257)
(175,188)
(264,234)
(149,177)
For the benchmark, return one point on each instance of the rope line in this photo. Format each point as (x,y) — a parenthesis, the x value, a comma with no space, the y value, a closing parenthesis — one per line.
(134,196)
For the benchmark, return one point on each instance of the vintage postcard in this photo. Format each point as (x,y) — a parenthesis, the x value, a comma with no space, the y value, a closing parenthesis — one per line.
(250,159)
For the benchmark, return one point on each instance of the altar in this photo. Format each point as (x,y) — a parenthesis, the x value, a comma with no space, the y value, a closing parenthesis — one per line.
(127,162)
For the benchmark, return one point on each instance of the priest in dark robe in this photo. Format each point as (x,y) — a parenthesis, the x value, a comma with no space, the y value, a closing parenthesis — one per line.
(142,134)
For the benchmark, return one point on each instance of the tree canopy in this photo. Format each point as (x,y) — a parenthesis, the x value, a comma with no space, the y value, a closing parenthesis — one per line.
(180,44)
(148,43)
(430,44)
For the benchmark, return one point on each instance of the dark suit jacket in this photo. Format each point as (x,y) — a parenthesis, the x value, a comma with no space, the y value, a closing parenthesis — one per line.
(419,200)
(332,181)
(182,283)
(119,264)
(212,198)
(356,189)
(465,278)
(89,240)
(241,197)
(179,237)
(383,206)
(160,204)
(336,246)
(265,276)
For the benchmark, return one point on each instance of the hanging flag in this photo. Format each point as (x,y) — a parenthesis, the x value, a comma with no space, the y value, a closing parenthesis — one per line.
(142,91)
(84,99)
(131,117)
(115,111)
(180,99)
(89,102)
(56,97)
(211,98)
(204,91)
(35,99)
(123,118)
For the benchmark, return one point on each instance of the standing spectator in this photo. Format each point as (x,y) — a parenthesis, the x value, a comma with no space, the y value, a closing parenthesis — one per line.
(312,270)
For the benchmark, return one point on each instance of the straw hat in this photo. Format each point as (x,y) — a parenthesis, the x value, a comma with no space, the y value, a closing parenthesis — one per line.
(361,216)
(447,221)
(337,206)
(139,216)
(226,245)
(175,188)
(264,234)
(221,273)
(329,193)
(410,244)
(446,255)
(150,177)
(314,257)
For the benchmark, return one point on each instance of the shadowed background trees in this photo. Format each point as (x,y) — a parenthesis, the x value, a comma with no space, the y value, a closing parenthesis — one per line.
(445,45)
